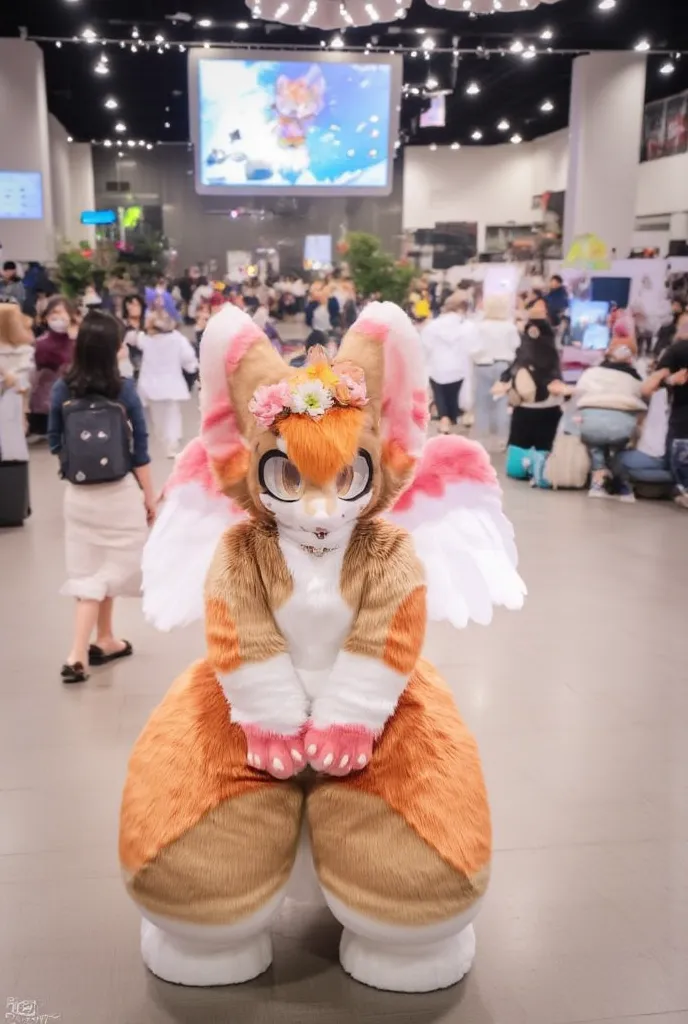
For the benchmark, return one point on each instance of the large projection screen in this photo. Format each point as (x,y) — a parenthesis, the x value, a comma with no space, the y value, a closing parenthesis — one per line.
(294,124)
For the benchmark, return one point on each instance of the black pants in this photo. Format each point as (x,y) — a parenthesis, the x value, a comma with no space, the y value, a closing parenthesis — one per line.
(534,428)
(447,399)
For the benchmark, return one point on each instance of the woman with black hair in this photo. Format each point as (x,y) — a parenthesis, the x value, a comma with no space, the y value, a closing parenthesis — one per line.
(134,319)
(98,429)
(537,411)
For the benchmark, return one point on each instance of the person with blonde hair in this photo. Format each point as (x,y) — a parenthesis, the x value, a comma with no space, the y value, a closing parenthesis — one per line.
(166,356)
(497,340)
(448,342)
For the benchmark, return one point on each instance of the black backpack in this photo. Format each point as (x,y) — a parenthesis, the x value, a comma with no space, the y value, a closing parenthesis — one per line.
(96,444)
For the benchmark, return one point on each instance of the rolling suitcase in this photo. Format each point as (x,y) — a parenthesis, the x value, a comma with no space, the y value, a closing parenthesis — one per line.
(14,493)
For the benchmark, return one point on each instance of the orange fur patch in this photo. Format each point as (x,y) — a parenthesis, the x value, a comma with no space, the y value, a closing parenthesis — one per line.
(394,456)
(321,448)
(229,472)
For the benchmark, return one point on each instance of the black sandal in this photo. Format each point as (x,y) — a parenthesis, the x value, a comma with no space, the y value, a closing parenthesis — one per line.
(97,656)
(75,673)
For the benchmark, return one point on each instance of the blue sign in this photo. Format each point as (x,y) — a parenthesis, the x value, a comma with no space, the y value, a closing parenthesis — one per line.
(99,217)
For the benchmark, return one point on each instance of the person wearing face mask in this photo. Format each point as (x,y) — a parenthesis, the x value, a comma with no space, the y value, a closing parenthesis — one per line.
(53,355)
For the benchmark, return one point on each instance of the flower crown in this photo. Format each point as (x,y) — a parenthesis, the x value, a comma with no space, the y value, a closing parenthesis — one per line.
(310,391)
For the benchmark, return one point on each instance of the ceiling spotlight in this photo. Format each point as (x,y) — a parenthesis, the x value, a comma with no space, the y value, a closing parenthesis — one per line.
(134,33)
(58,44)
(503,125)
(516,47)
(431,83)
(120,154)
(281,11)
(101,68)
(606,5)
(159,39)
(530,53)
(516,138)
(497,4)
(205,23)
(167,124)
(70,139)
(149,145)
(667,69)
(455,145)
(547,107)
(477,135)
(472,89)
(134,48)
(547,34)
(414,90)
(206,45)
(120,126)
(414,53)
(182,48)
(467,4)
(130,143)
(336,43)
(89,35)
(428,43)
(433,147)
(107,143)
(421,31)
(642,46)
(242,25)
(111,103)
(141,142)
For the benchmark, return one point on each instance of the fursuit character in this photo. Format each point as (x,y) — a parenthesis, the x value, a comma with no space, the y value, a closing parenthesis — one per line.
(312,734)
(298,101)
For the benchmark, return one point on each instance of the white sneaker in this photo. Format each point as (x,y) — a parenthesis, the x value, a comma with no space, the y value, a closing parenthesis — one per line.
(681,500)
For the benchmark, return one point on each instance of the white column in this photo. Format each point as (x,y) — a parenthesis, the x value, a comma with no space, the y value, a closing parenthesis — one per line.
(607,98)
(24,144)
(82,192)
(60,178)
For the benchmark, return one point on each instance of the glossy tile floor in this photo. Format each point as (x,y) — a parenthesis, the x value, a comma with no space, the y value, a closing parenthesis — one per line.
(580,704)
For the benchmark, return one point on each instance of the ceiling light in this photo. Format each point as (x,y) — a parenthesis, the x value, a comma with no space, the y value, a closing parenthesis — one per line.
(111,103)
(107,143)
(472,89)
(58,44)
(547,107)
(134,33)
(89,35)
(497,4)
(428,43)
(167,124)
(606,5)
(120,126)
(503,125)
(517,46)
(433,147)
(336,43)
(101,68)
(149,145)
(205,23)
(431,83)
(120,154)
(242,25)
(70,139)
(159,39)
(134,48)
(477,135)
(530,53)
(421,31)
(516,138)
(374,16)
(415,91)
(455,145)
(547,34)
(141,142)
(467,4)
(667,69)
(642,46)
(206,45)
(130,143)
(182,48)
(350,21)
(414,53)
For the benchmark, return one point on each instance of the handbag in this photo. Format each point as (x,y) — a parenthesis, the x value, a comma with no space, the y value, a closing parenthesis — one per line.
(522,388)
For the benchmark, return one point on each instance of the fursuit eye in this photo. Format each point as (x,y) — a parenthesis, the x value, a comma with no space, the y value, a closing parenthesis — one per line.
(355,480)
(280,477)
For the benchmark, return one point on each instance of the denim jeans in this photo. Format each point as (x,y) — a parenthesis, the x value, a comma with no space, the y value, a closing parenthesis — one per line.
(643,468)
(605,433)
(678,460)
(491,415)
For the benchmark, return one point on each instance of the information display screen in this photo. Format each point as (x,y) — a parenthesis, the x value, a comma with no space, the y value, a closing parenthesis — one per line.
(21,195)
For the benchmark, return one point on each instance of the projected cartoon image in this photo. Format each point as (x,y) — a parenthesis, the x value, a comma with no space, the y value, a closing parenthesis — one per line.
(291,123)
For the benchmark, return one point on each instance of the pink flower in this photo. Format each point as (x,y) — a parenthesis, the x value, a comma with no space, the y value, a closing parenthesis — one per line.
(269,401)
(358,395)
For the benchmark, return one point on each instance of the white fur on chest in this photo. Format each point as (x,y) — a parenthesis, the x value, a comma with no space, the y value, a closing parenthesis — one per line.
(315,621)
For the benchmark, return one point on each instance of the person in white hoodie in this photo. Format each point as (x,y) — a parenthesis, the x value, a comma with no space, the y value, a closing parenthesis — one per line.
(609,399)
(448,342)
(166,354)
(496,345)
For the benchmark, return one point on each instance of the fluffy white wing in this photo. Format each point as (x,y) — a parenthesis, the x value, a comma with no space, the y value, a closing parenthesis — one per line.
(453,511)
(179,551)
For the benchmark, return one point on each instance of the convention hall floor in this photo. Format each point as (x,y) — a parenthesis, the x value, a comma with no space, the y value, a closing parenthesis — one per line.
(580,704)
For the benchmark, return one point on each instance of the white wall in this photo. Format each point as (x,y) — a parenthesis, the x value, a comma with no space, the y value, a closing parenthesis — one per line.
(24,144)
(82,195)
(496,184)
(60,177)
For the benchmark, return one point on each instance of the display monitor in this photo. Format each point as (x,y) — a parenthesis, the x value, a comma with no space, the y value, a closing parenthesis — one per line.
(317,252)
(590,324)
(293,123)
(21,195)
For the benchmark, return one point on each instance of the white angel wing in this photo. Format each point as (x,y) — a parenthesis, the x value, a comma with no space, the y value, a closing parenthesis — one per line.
(453,511)
(179,551)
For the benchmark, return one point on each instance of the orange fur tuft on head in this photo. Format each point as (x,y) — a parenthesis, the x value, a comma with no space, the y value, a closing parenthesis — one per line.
(320,448)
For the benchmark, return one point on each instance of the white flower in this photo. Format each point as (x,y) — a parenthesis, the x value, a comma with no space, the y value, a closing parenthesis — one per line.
(312,398)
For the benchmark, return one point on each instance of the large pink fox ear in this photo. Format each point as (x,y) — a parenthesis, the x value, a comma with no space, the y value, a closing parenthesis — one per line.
(387,347)
(236,357)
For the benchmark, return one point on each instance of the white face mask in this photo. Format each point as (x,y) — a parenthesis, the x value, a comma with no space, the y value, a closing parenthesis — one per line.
(58,324)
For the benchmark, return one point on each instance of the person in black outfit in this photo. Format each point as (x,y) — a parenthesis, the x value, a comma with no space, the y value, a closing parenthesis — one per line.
(535,421)
(667,332)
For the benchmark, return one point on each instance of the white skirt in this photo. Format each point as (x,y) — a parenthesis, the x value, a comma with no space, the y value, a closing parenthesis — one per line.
(105,531)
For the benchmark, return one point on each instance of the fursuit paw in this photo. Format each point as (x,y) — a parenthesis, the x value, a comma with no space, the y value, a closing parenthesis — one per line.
(339,750)
(279,756)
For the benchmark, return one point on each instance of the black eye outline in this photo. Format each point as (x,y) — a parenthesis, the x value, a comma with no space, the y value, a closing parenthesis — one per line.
(274,454)
(362,453)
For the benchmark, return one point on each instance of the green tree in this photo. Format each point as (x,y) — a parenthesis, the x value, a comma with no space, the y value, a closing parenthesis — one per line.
(374,270)
(74,270)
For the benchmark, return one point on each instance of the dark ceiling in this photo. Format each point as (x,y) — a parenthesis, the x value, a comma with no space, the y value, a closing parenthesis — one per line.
(150,87)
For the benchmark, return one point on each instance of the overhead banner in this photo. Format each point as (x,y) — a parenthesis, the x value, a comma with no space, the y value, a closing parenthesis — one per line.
(665,128)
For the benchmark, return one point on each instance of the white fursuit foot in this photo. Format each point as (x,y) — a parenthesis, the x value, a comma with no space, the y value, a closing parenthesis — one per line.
(408,968)
(193,961)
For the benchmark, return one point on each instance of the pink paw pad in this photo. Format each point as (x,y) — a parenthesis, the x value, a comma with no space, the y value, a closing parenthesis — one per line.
(339,750)
(279,756)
